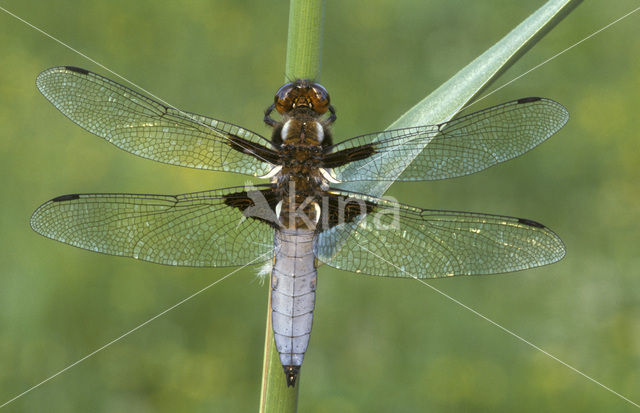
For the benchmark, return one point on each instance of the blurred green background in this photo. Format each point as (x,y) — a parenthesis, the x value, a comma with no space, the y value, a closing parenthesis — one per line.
(377,344)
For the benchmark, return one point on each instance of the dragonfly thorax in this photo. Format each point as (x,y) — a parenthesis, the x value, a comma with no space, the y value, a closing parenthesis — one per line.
(302,131)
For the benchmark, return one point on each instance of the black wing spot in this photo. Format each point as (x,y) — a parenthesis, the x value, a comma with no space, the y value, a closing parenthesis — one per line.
(250,148)
(77,69)
(342,209)
(345,156)
(69,197)
(528,100)
(246,202)
(530,223)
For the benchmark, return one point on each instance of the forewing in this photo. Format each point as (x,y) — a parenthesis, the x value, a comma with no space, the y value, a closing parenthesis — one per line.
(459,147)
(397,240)
(201,229)
(149,129)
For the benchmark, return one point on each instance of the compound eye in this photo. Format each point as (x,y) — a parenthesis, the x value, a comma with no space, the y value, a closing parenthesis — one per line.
(284,98)
(319,99)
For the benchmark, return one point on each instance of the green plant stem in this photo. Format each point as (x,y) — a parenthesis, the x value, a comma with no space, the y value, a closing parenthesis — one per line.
(275,396)
(303,62)
(304,42)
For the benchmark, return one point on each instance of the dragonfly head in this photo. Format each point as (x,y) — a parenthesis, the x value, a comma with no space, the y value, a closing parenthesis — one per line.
(302,93)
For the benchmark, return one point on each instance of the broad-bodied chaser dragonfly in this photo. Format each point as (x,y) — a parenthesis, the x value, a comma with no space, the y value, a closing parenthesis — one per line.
(300,218)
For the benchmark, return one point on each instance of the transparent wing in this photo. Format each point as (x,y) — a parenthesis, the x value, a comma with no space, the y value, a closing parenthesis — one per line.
(149,129)
(397,240)
(459,147)
(201,229)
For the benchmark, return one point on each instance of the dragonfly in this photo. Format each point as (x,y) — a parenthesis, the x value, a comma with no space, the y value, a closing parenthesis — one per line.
(299,218)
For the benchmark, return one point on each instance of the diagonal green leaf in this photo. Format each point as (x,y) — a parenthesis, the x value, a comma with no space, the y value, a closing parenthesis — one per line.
(442,104)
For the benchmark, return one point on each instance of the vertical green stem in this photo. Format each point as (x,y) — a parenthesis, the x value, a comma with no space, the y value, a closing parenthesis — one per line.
(303,62)
(304,39)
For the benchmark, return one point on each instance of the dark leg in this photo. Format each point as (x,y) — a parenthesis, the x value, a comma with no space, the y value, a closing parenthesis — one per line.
(267,116)
(332,117)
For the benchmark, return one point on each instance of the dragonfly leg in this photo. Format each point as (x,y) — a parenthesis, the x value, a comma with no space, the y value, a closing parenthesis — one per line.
(267,116)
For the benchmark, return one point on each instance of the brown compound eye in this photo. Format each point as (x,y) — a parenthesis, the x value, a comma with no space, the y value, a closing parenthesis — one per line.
(284,99)
(319,98)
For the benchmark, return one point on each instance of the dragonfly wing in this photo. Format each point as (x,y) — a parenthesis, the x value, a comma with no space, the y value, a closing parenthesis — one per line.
(391,239)
(462,146)
(201,229)
(152,130)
